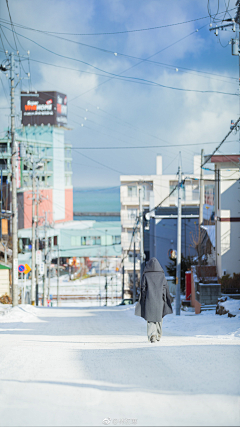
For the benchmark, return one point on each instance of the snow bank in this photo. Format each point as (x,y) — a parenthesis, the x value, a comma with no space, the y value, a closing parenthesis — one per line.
(232,305)
(23,313)
(205,325)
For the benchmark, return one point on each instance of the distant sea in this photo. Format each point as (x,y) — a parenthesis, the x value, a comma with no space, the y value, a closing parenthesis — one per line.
(97,200)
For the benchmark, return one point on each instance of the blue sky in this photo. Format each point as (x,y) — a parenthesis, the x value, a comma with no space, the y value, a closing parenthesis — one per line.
(123,113)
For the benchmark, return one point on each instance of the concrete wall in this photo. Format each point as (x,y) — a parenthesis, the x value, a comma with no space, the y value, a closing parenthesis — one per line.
(207,294)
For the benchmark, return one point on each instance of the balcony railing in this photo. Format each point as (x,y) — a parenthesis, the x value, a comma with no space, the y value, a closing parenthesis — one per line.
(3,166)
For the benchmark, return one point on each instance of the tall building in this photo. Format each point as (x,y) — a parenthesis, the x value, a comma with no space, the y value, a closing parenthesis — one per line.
(41,141)
(54,178)
(156,188)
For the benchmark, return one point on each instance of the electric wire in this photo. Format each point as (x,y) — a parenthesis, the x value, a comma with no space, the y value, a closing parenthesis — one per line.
(224,139)
(136,79)
(124,55)
(118,32)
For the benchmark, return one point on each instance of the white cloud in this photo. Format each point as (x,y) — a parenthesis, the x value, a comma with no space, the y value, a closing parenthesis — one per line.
(177,117)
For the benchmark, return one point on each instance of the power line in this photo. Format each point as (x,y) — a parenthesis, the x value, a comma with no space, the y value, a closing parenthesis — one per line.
(6,38)
(135,65)
(120,54)
(134,79)
(118,32)
(137,147)
(11,24)
(224,139)
(175,67)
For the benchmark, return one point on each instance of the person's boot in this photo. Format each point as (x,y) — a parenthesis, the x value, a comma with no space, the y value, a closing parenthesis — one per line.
(153,338)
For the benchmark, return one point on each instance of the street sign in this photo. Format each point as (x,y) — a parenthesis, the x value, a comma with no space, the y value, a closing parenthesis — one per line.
(27,269)
(41,268)
(38,257)
(21,268)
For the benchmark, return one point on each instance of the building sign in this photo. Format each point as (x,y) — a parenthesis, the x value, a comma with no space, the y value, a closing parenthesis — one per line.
(38,257)
(44,108)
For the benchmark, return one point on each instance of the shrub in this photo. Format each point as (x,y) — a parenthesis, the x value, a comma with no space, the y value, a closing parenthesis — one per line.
(230,285)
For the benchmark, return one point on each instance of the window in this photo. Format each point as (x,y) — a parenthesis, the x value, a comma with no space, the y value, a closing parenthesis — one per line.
(209,194)
(132,191)
(96,240)
(86,241)
(55,240)
(89,241)
(131,257)
(144,192)
(132,214)
(116,240)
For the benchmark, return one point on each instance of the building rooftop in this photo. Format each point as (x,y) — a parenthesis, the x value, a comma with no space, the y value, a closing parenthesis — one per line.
(222,158)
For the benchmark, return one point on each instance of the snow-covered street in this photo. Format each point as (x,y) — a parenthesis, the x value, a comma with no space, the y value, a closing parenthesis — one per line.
(79,366)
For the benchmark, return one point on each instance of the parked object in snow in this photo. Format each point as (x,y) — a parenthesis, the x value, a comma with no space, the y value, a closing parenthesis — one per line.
(205,289)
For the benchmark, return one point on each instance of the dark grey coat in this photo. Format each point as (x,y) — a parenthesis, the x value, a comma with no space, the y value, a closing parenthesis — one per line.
(154,302)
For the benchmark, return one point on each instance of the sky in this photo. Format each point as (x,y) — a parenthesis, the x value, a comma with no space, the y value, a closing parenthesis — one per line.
(119,98)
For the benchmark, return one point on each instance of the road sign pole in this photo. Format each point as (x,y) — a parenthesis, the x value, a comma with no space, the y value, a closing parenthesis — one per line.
(24,287)
(23,301)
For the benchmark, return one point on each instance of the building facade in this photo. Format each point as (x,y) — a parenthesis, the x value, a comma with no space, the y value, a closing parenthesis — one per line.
(227,213)
(81,239)
(54,178)
(155,189)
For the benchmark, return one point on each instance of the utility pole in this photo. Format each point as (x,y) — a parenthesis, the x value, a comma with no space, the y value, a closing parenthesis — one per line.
(237,19)
(14,150)
(45,261)
(106,284)
(37,241)
(112,290)
(179,239)
(99,276)
(141,228)
(235,42)
(116,284)
(134,270)
(123,281)
(49,267)
(201,192)
(58,278)
(201,202)
(33,235)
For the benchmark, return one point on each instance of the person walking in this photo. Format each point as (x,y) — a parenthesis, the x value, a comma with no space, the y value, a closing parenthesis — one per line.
(154,302)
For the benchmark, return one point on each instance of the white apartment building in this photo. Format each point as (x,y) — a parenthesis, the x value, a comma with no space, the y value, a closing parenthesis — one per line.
(155,189)
(227,212)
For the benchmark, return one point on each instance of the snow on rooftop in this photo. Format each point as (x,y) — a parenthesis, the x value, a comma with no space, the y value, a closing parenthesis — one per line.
(233,306)
(210,229)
